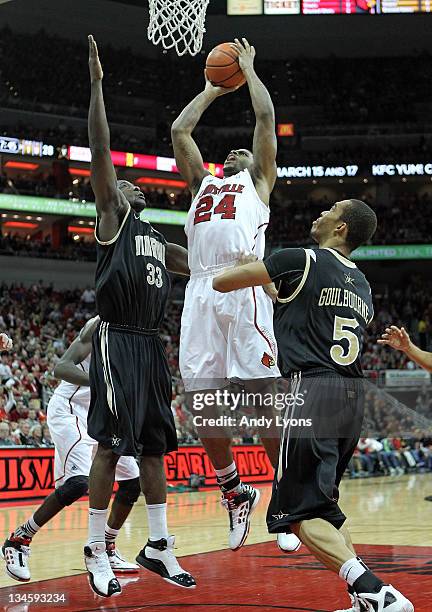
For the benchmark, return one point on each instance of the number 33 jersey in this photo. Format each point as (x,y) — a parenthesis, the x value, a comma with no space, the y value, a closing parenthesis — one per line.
(132,283)
(323,308)
(226,219)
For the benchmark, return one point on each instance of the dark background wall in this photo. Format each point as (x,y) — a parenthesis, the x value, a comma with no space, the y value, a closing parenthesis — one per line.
(125,25)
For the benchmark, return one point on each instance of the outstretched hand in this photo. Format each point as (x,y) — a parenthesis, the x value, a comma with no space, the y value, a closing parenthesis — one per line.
(246,54)
(95,67)
(396,338)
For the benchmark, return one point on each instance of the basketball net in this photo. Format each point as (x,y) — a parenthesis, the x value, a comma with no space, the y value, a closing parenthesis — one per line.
(178,24)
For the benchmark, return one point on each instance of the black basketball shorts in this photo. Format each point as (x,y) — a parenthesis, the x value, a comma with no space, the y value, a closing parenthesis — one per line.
(130,408)
(321,428)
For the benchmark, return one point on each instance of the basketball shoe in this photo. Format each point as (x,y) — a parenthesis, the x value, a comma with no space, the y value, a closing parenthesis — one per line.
(288,542)
(117,562)
(101,576)
(16,551)
(240,506)
(158,557)
(388,599)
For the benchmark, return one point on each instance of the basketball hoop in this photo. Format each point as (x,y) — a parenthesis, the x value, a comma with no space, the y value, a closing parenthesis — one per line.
(178,24)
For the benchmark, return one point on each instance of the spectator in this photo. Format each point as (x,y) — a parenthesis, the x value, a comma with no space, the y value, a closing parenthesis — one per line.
(5,439)
(46,436)
(35,436)
(24,432)
(19,411)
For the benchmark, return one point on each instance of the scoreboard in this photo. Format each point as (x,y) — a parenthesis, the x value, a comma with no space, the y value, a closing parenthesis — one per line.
(326,7)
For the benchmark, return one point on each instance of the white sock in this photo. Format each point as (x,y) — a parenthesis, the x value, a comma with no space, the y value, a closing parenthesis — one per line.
(96,525)
(157,521)
(110,533)
(352,569)
(28,529)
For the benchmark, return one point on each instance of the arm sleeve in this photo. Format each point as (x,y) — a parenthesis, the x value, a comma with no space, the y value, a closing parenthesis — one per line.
(281,264)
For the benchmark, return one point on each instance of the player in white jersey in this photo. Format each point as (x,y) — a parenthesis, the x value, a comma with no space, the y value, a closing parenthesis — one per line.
(226,337)
(67,421)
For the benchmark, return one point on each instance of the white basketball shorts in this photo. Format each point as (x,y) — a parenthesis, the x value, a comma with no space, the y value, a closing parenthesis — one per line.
(74,449)
(225,336)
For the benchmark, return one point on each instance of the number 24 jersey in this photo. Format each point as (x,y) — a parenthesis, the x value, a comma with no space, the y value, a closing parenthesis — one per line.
(226,218)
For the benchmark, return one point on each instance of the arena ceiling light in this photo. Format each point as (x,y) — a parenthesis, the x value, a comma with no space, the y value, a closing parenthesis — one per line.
(76,229)
(17,165)
(19,225)
(79,171)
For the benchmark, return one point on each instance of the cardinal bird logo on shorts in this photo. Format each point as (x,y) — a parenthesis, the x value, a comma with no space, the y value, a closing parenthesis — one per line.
(268,360)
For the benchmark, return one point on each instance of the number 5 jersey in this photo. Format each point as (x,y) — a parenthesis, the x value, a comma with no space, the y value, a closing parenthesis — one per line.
(324,306)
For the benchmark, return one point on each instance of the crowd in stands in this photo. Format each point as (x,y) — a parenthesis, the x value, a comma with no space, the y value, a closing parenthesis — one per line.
(407,219)
(46,73)
(215,146)
(43,321)
(34,74)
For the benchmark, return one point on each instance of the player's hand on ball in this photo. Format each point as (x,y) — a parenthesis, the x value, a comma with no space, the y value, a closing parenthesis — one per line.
(5,342)
(246,54)
(216,91)
(95,67)
(396,338)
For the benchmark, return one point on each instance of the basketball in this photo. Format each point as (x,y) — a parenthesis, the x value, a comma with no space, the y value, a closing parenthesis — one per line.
(222,67)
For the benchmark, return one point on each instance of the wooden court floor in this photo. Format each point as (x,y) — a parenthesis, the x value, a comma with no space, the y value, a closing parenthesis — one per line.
(388,519)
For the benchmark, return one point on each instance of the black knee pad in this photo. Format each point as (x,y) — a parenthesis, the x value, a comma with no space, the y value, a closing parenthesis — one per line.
(72,489)
(128,491)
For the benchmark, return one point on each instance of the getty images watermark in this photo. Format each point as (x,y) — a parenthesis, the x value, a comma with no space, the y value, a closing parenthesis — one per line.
(224,399)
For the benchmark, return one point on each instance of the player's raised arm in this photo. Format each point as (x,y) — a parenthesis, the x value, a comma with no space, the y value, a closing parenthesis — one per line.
(177,259)
(187,154)
(399,339)
(67,368)
(110,204)
(264,141)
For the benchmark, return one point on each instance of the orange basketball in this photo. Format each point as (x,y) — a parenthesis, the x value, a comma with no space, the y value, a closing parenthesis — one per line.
(222,67)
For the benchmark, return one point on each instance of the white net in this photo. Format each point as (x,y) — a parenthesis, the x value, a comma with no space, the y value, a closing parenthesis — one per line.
(178,24)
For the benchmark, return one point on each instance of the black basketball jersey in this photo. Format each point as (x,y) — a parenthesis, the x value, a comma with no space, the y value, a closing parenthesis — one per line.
(132,283)
(320,321)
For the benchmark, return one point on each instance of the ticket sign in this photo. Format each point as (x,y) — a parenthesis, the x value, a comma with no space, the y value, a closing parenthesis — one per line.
(281,7)
(244,7)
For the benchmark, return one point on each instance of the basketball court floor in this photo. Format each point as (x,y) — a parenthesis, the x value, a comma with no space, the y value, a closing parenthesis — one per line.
(389,521)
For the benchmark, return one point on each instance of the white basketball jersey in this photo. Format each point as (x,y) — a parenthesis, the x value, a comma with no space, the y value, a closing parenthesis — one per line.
(226,219)
(75,393)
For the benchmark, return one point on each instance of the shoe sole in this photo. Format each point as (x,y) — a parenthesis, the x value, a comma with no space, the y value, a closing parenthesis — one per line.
(254,505)
(9,573)
(154,567)
(134,570)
